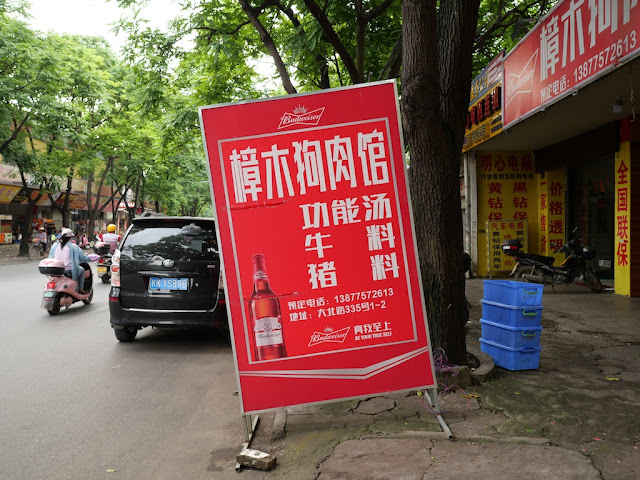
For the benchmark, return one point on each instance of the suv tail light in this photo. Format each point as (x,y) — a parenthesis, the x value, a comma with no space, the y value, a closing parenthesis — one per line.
(114,294)
(115,269)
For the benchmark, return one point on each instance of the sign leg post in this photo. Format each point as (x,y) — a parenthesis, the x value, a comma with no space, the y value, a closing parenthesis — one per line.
(250,425)
(432,395)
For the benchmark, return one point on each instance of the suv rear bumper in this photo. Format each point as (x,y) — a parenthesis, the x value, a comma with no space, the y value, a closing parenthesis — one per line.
(125,317)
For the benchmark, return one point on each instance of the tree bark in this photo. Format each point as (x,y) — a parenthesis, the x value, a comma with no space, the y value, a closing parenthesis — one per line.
(437,47)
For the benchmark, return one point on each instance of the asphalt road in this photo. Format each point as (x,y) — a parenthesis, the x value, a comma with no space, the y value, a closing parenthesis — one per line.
(77,404)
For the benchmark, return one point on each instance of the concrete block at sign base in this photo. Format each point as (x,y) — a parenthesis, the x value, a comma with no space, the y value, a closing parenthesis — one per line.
(256,459)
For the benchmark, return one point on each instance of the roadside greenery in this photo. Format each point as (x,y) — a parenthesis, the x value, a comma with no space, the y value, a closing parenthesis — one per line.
(69,108)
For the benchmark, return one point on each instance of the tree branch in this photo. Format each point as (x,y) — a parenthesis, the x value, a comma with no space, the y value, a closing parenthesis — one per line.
(270,44)
(334,40)
(321,61)
(391,68)
(14,135)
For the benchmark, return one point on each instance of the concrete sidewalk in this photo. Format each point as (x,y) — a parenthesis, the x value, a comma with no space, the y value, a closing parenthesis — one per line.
(9,254)
(576,417)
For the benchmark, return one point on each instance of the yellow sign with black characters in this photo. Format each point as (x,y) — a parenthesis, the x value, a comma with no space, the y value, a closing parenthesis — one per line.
(622,267)
(552,188)
(497,232)
(506,192)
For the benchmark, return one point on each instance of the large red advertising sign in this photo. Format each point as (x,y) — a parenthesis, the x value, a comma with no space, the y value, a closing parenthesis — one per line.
(311,203)
(577,42)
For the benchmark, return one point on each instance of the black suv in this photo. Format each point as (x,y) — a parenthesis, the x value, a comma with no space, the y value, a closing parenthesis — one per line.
(166,273)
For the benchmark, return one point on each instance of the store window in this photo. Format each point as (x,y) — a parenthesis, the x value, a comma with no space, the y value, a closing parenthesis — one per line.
(591,203)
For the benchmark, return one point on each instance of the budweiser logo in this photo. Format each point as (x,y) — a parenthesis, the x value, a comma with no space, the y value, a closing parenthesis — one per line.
(329,336)
(521,83)
(301,116)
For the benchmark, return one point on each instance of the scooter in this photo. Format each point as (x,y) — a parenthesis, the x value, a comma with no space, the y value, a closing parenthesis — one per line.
(540,269)
(83,242)
(61,290)
(103,268)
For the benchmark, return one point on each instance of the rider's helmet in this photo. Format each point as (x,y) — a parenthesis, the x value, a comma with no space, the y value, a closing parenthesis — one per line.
(66,232)
(111,228)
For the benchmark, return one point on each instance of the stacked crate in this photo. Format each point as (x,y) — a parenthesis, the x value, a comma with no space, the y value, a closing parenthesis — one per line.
(511,318)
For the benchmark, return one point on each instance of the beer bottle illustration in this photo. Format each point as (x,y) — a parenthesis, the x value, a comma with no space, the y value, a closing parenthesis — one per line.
(264,310)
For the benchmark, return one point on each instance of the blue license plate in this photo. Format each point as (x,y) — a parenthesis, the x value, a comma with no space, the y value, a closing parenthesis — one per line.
(156,283)
(48,294)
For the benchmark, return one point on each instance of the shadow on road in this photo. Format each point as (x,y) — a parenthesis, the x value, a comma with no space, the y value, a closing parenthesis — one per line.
(177,340)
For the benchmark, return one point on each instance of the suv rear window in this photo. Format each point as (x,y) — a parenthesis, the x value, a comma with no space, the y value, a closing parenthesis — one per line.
(146,241)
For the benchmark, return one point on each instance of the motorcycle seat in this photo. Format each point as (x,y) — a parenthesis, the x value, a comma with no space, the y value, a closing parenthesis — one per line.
(538,258)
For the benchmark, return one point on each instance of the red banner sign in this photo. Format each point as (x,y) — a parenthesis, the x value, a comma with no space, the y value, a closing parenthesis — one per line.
(311,203)
(576,42)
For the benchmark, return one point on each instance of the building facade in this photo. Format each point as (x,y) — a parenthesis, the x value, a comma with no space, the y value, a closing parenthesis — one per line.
(14,207)
(553,143)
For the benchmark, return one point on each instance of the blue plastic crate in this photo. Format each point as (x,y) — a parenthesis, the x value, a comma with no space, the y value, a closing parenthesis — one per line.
(510,315)
(512,358)
(513,337)
(516,294)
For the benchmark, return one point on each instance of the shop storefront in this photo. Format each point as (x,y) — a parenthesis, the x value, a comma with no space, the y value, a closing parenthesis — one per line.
(560,150)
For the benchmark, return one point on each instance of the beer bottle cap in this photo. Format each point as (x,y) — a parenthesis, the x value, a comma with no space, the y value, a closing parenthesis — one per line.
(258,266)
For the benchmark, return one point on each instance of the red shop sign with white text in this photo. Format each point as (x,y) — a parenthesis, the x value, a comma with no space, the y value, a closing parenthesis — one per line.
(577,42)
(317,245)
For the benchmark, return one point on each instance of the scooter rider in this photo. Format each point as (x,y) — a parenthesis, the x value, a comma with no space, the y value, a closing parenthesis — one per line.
(111,237)
(72,256)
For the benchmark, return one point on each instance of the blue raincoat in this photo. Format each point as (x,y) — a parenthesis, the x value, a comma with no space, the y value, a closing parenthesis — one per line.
(77,257)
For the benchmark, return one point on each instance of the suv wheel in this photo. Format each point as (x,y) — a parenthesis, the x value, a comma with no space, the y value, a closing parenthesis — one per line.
(126,334)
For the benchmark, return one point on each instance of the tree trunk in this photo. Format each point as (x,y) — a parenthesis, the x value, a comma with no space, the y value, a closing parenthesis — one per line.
(27,224)
(436,70)
(26,228)
(64,208)
(91,207)
(114,206)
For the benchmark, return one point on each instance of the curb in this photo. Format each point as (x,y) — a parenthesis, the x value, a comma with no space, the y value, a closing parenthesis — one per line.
(10,254)
(486,369)
(13,260)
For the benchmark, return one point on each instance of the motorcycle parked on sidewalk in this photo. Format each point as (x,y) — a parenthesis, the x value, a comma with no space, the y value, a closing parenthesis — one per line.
(103,268)
(61,290)
(534,268)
